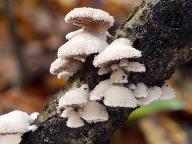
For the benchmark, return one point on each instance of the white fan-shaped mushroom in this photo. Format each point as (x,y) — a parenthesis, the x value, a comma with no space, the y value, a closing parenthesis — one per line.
(118,76)
(167,93)
(94,112)
(117,96)
(98,92)
(134,67)
(119,49)
(154,94)
(15,122)
(83,44)
(74,120)
(89,18)
(77,96)
(69,65)
(141,90)
(66,112)
(74,33)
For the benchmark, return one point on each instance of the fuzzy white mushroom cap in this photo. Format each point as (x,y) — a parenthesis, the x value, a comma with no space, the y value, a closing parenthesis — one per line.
(69,65)
(83,44)
(135,67)
(99,90)
(77,96)
(74,120)
(66,112)
(117,96)
(118,76)
(119,49)
(90,18)
(34,115)
(15,122)
(154,94)
(167,93)
(94,112)
(141,90)
(104,70)
(74,33)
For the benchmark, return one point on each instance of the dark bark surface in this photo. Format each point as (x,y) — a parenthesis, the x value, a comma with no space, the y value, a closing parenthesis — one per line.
(162,30)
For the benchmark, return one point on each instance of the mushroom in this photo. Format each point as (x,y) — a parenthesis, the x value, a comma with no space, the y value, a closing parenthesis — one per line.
(99,90)
(167,93)
(154,94)
(90,19)
(132,86)
(119,49)
(118,77)
(82,45)
(134,67)
(15,122)
(33,128)
(140,91)
(77,96)
(74,120)
(117,96)
(65,68)
(94,112)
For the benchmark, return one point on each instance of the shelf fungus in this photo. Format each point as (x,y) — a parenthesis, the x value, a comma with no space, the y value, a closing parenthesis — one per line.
(94,112)
(90,19)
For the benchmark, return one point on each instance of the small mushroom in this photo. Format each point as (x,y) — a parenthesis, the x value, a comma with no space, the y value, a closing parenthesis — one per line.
(98,92)
(84,44)
(33,128)
(117,96)
(77,96)
(134,67)
(132,86)
(94,112)
(90,19)
(118,77)
(15,122)
(119,49)
(68,65)
(74,120)
(141,90)
(167,93)
(154,94)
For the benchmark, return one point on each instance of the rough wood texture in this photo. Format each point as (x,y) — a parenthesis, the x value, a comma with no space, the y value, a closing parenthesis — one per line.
(161,29)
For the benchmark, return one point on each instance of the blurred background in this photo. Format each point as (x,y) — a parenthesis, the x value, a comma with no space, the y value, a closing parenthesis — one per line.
(31,31)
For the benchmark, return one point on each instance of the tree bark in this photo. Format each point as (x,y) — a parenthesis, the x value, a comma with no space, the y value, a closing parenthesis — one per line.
(162,30)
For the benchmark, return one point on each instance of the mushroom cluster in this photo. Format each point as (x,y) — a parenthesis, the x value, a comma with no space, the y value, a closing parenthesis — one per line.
(90,39)
(17,123)
(77,106)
